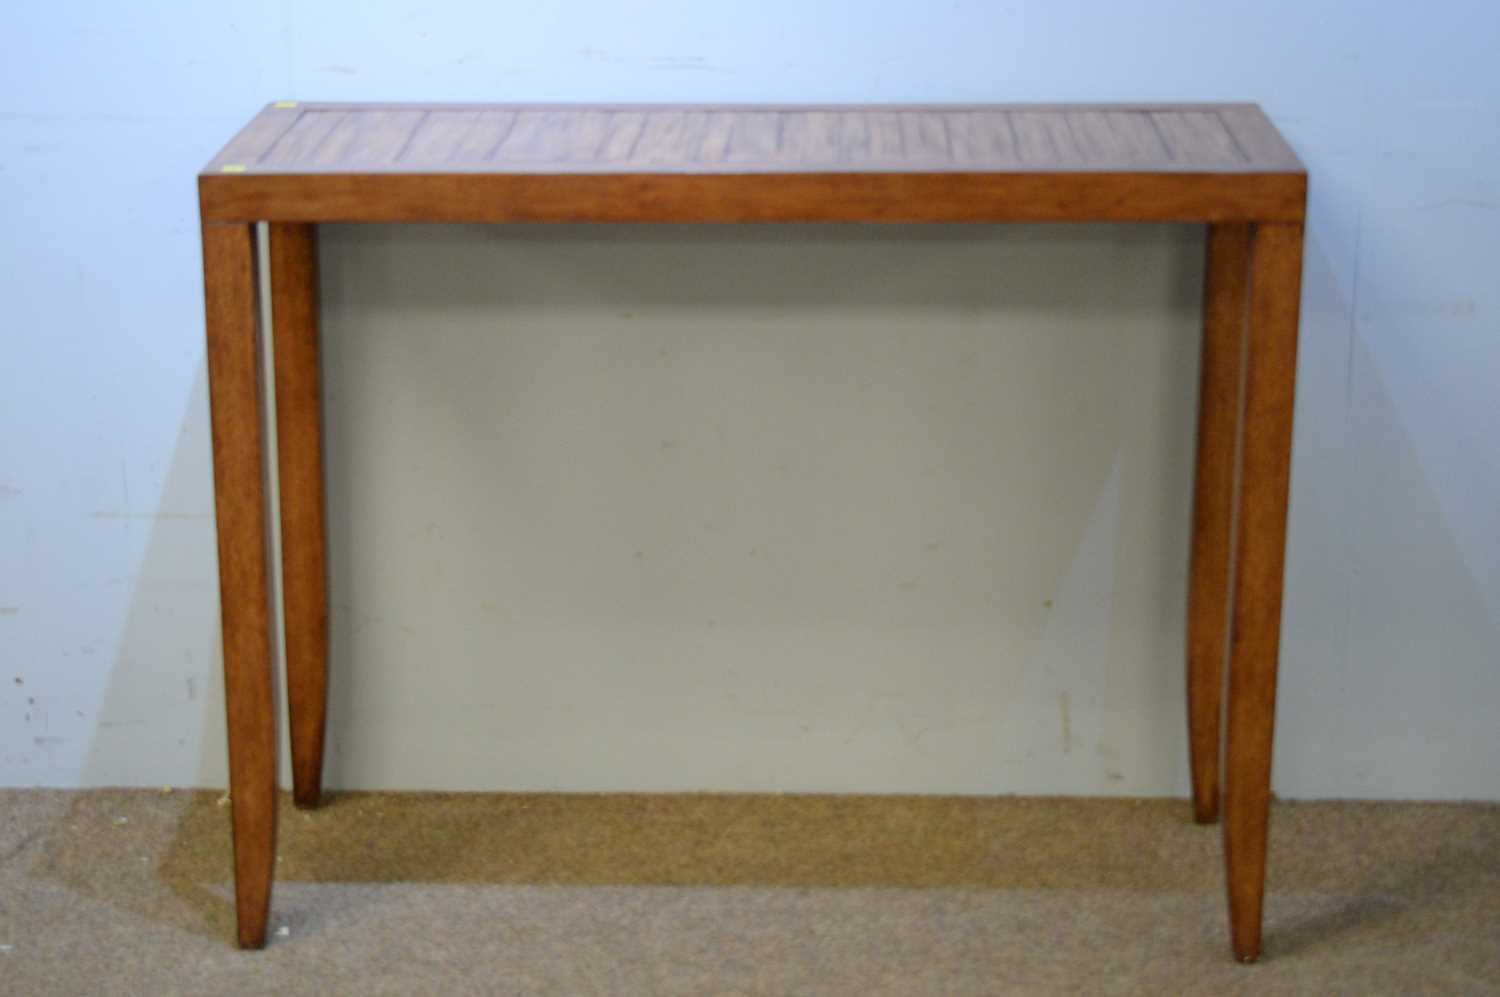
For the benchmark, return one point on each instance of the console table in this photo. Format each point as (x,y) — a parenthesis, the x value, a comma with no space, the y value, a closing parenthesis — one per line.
(296,165)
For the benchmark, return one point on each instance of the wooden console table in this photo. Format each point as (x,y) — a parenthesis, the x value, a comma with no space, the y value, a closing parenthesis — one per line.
(296,165)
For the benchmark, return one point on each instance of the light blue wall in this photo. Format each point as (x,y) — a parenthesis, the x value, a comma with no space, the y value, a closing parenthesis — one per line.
(1391,664)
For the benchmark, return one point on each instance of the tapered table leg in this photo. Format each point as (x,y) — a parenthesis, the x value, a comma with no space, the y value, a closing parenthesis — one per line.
(1225,300)
(1265,476)
(304,585)
(240,504)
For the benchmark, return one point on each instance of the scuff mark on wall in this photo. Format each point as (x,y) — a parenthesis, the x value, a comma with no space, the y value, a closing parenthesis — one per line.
(106,514)
(1067,723)
(1460,202)
(685,63)
(598,55)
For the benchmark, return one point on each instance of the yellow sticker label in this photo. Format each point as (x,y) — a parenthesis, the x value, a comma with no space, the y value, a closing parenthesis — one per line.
(285,103)
(232,168)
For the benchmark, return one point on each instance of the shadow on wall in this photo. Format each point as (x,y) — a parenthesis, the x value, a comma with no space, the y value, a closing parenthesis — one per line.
(164,695)
(1361,497)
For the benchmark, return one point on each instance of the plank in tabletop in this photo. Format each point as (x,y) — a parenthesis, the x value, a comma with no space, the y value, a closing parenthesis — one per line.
(584,135)
(622,130)
(717,132)
(924,136)
(456,138)
(299,142)
(756,137)
(544,136)
(481,143)
(1197,138)
(854,135)
(257,138)
(812,137)
(367,138)
(886,141)
(555,135)
(1117,138)
(1258,138)
(1043,139)
(672,138)
(981,138)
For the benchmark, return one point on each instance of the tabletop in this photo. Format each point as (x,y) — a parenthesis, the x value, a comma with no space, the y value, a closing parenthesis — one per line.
(289,137)
(314,162)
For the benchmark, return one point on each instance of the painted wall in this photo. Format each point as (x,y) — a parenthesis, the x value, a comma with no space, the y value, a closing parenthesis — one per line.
(794,508)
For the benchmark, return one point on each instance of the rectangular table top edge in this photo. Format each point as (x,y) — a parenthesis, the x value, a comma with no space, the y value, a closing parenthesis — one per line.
(938,197)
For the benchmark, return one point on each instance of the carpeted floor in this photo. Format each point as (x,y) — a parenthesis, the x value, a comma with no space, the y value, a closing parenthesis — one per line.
(127,892)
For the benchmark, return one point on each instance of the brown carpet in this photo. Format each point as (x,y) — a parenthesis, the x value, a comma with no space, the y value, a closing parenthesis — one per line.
(127,892)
